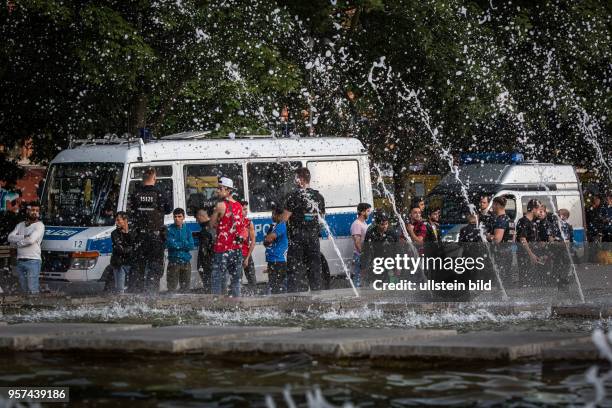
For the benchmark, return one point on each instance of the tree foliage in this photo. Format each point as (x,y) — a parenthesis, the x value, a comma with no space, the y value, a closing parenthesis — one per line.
(409,77)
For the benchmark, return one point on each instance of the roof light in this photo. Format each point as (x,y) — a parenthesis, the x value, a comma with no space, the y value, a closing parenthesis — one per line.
(491,158)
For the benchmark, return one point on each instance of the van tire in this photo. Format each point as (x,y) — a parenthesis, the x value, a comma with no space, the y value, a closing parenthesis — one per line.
(325,275)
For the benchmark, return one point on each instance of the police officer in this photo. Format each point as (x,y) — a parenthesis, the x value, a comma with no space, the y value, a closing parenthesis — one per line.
(502,236)
(304,209)
(526,236)
(147,206)
(485,216)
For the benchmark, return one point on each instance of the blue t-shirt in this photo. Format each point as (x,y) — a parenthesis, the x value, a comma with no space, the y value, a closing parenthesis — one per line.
(277,252)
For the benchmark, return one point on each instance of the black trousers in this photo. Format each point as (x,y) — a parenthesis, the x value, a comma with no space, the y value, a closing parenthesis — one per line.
(149,263)
(205,271)
(304,262)
(276,276)
(249,272)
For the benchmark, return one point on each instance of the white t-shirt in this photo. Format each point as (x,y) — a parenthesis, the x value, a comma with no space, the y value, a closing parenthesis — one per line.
(28,239)
(359,228)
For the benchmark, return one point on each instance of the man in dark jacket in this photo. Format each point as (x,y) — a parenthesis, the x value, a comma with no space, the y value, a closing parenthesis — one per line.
(205,248)
(147,208)
(380,241)
(304,210)
(594,219)
(121,259)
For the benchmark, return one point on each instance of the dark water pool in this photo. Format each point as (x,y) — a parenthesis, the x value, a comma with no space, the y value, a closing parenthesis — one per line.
(197,380)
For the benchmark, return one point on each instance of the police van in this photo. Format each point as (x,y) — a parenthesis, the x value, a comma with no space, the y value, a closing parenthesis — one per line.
(87,184)
(509,175)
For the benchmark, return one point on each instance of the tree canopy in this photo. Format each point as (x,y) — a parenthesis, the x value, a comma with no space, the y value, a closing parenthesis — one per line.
(411,78)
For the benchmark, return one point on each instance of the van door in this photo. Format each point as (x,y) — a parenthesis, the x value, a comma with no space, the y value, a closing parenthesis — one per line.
(165,182)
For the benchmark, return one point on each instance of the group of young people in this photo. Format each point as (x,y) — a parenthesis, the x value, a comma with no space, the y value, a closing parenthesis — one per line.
(541,238)
(226,242)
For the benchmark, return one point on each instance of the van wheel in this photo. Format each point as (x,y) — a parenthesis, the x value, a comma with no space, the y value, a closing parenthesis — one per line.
(325,275)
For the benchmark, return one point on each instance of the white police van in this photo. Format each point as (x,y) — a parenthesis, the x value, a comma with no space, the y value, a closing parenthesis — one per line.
(509,175)
(87,184)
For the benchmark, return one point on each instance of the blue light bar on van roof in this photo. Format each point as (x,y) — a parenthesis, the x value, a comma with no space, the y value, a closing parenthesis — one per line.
(497,158)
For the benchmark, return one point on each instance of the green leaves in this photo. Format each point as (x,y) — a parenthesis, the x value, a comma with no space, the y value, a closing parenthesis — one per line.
(484,71)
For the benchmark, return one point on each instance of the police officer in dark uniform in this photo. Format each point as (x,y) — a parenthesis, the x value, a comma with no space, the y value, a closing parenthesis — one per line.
(545,247)
(147,206)
(502,236)
(485,216)
(526,235)
(303,209)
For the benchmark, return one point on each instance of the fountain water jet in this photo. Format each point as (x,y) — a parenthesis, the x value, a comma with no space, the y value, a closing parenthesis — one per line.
(412,98)
(558,220)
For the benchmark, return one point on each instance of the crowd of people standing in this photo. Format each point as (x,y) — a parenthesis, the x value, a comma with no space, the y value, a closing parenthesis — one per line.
(226,240)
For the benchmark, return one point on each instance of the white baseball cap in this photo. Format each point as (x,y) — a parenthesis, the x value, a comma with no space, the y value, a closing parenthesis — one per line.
(225,182)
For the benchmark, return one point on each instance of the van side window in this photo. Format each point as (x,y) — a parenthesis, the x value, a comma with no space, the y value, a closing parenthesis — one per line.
(201,181)
(269,183)
(164,181)
(161,171)
(337,181)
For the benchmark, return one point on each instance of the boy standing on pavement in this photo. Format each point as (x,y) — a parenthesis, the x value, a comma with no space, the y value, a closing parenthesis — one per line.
(28,236)
(358,232)
(179,244)
(276,244)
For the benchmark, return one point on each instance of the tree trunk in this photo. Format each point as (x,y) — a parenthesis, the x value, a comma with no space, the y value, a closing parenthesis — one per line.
(139,113)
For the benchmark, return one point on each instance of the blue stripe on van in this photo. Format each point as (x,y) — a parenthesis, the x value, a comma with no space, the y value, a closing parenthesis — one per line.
(444,228)
(579,235)
(61,233)
(339,224)
(103,245)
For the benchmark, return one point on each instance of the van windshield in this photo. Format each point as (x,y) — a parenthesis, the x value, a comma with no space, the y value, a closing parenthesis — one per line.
(81,194)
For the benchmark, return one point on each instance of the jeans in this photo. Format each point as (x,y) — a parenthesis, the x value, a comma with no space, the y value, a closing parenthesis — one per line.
(120,274)
(28,271)
(356,270)
(225,263)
